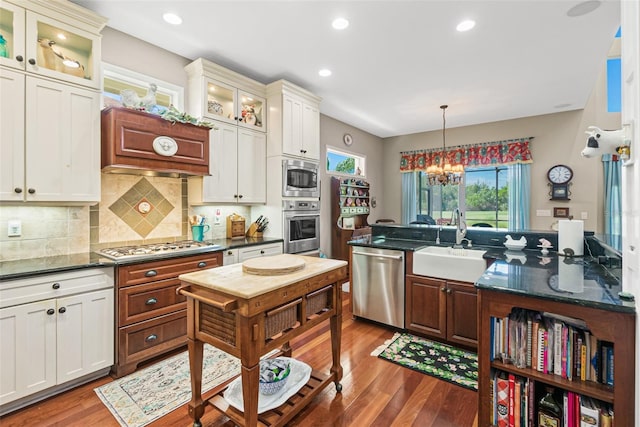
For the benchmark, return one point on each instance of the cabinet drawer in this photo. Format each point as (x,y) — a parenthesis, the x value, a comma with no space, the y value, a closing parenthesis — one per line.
(142,302)
(147,339)
(169,268)
(31,289)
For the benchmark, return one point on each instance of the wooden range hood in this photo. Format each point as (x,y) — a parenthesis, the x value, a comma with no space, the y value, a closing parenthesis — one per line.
(139,143)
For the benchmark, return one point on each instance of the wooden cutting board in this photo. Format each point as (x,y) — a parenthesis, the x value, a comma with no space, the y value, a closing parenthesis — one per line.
(273,265)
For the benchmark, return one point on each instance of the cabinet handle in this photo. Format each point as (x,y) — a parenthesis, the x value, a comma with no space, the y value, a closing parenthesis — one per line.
(31,190)
(17,190)
(32,61)
(239,196)
(235,196)
(151,338)
(19,58)
(443,289)
(50,311)
(62,310)
(151,301)
(202,264)
(56,286)
(151,273)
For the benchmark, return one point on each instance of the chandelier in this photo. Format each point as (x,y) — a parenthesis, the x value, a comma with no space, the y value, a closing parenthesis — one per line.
(444,173)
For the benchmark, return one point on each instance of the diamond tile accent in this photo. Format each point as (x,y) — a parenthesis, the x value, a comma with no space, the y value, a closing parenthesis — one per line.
(125,207)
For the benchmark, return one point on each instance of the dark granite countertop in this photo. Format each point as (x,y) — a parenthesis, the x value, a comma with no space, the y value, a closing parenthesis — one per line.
(580,280)
(56,264)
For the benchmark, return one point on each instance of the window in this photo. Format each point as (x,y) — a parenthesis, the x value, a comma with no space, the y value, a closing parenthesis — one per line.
(117,78)
(483,197)
(614,82)
(345,163)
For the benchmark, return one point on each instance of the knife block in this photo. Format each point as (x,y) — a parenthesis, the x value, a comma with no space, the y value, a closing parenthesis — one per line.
(235,228)
(253,231)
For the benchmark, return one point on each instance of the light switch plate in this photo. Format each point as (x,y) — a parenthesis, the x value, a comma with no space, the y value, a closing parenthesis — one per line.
(14,228)
(584,215)
(543,212)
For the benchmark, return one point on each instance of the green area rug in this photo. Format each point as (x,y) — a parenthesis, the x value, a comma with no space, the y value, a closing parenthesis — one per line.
(432,358)
(146,395)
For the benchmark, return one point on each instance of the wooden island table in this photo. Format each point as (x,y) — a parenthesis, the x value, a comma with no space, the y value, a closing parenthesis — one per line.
(249,310)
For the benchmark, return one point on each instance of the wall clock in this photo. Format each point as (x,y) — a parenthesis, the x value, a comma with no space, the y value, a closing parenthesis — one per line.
(347,139)
(559,177)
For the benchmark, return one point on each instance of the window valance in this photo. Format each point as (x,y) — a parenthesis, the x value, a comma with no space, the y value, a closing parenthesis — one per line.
(495,153)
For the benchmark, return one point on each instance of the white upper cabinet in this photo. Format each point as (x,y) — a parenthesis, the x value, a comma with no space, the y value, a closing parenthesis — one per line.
(58,39)
(217,93)
(294,121)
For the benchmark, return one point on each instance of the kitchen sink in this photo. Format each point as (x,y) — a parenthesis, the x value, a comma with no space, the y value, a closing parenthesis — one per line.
(466,265)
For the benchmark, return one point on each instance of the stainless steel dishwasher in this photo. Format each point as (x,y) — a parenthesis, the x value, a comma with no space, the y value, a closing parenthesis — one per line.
(378,285)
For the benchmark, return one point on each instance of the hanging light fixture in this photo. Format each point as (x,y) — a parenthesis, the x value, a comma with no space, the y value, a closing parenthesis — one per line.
(444,173)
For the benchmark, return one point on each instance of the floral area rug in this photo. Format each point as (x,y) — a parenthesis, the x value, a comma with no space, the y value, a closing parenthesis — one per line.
(146,395)
(432,358)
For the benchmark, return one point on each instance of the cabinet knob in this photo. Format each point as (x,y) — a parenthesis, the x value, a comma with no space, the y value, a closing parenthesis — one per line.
(151,338)
(56,286)
(239,196)
(50,311)
(448,291)
(151,301)
(19,58)
(261,252)
(17,190)
(443,289)
(32,61)
(202,264)
(230,253)
(31,191)
(151,273)
(62,310)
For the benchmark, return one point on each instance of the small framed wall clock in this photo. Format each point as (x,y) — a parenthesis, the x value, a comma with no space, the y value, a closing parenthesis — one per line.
(559,177)
(347,139)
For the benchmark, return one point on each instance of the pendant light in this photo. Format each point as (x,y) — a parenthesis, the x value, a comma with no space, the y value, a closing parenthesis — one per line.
(444,173)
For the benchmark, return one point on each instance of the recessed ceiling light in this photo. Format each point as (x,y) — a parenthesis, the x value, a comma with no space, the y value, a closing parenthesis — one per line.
(466,25)
(172,18)
(325,72)
(340,23)
(583,8)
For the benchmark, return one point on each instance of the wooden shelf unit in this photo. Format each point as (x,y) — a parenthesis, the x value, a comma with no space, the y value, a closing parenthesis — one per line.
(612,326)
(342,199)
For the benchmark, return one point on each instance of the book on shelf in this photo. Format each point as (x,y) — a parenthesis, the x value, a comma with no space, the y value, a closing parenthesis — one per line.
(589,413)
(502,399)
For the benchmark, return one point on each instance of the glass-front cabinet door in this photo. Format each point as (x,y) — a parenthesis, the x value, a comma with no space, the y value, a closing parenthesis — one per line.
(229,104)
(251,112)
(61,51)
(12,33)
(220,102)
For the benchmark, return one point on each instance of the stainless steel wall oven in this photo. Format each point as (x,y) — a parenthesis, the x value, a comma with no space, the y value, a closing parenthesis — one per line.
(301,228)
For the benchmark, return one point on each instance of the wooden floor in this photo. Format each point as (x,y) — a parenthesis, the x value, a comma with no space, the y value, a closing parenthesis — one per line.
(375,392)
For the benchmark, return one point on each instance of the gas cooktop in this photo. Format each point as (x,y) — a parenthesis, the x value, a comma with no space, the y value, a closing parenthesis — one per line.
(152,250)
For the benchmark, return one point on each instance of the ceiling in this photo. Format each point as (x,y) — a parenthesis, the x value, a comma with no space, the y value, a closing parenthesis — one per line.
(398,61)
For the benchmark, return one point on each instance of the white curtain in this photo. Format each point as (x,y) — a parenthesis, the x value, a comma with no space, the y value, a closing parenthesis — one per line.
(519,196)
(409,197)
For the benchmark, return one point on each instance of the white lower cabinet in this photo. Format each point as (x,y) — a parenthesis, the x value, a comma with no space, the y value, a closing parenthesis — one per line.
(236,255)
(67,334)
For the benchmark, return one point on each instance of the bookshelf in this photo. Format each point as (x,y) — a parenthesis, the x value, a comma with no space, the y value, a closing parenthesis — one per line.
(616,327)
(350,206)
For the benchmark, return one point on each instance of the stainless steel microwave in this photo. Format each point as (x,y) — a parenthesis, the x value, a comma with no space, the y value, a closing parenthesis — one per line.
(300,179)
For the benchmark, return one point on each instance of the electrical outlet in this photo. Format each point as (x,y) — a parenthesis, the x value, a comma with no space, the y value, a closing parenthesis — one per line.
(14,228)
(584,215)
(543,212)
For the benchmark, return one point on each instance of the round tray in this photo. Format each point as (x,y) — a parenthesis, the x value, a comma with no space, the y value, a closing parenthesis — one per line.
(273,265)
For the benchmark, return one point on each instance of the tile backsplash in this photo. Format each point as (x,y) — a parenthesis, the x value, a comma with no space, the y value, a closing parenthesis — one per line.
(116,221)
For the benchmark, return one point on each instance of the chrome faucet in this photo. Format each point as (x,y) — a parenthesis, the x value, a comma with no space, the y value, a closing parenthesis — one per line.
(438,235)
(461,228)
